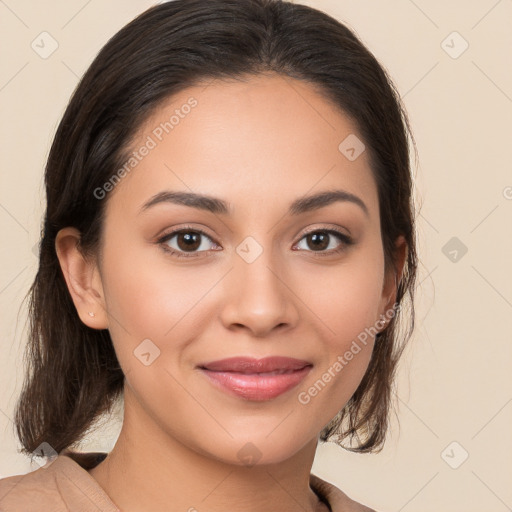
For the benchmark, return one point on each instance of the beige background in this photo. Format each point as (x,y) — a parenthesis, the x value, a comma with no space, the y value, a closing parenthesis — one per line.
(455,382)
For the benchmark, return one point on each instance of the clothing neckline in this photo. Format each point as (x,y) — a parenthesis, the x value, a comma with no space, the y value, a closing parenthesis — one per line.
(89,460)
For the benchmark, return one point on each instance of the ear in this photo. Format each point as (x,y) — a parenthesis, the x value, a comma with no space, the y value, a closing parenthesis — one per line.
(82,278)
(391,281)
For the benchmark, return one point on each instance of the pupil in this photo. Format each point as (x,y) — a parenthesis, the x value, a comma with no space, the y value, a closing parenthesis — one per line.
(319,237)
(191,240)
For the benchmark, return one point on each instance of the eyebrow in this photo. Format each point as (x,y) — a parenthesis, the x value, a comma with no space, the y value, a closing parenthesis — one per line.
(219,206)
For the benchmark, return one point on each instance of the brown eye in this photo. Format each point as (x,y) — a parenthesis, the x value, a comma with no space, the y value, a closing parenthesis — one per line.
(187,243)
(322,241)
(318,241)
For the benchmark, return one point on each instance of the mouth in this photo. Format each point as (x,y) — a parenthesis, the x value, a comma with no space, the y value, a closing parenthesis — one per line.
(256,379)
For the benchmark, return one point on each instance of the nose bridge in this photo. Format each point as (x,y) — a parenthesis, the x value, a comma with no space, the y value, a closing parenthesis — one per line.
(257,294)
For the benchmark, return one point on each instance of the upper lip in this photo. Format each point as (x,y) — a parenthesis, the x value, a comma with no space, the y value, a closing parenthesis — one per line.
(253,365)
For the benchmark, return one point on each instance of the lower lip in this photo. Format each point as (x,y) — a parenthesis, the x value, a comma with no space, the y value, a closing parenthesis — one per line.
(258,387)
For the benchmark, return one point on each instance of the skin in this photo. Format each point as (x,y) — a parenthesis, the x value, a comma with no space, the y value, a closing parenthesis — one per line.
(258,144)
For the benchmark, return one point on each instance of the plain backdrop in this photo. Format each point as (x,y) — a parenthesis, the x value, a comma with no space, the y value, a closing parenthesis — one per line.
(451,447)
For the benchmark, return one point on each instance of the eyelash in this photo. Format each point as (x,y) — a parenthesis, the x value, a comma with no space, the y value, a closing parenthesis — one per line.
(345,239)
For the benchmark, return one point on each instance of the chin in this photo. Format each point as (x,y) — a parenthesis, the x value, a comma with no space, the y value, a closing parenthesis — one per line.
(260,450)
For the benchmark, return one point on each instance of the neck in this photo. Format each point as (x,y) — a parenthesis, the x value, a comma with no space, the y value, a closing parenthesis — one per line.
(149,469)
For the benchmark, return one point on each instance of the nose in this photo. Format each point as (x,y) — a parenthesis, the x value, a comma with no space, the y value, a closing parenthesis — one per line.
(258,297)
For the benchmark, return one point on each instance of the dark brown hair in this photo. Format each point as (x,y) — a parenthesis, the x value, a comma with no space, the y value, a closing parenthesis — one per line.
(73,375)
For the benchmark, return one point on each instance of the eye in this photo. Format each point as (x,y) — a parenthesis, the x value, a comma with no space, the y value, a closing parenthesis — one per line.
(321,239)
(187,242)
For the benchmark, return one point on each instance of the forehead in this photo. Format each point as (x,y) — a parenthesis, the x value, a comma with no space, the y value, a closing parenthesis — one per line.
(265,140)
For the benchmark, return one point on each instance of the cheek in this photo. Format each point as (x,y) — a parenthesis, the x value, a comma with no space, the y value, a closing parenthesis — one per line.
(146,299)
(343,300)
(346,303)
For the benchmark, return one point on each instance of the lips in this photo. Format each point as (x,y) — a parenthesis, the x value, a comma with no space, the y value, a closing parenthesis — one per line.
(256,379)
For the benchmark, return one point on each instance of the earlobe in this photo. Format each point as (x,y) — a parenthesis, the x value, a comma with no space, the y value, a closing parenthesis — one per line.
(82,278)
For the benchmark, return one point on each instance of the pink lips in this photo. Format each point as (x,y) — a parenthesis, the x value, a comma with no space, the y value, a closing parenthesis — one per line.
(256,379)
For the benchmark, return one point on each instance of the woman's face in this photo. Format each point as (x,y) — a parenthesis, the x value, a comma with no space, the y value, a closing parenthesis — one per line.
(255,284)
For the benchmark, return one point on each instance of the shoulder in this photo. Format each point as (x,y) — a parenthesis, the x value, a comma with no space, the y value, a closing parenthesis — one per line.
(337,499)
(31,491)
(60,485)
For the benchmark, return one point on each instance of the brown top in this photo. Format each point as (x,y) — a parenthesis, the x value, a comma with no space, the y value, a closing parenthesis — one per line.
(64,485)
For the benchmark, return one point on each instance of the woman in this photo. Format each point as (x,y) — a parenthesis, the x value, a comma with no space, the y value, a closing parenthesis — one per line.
(227,246)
